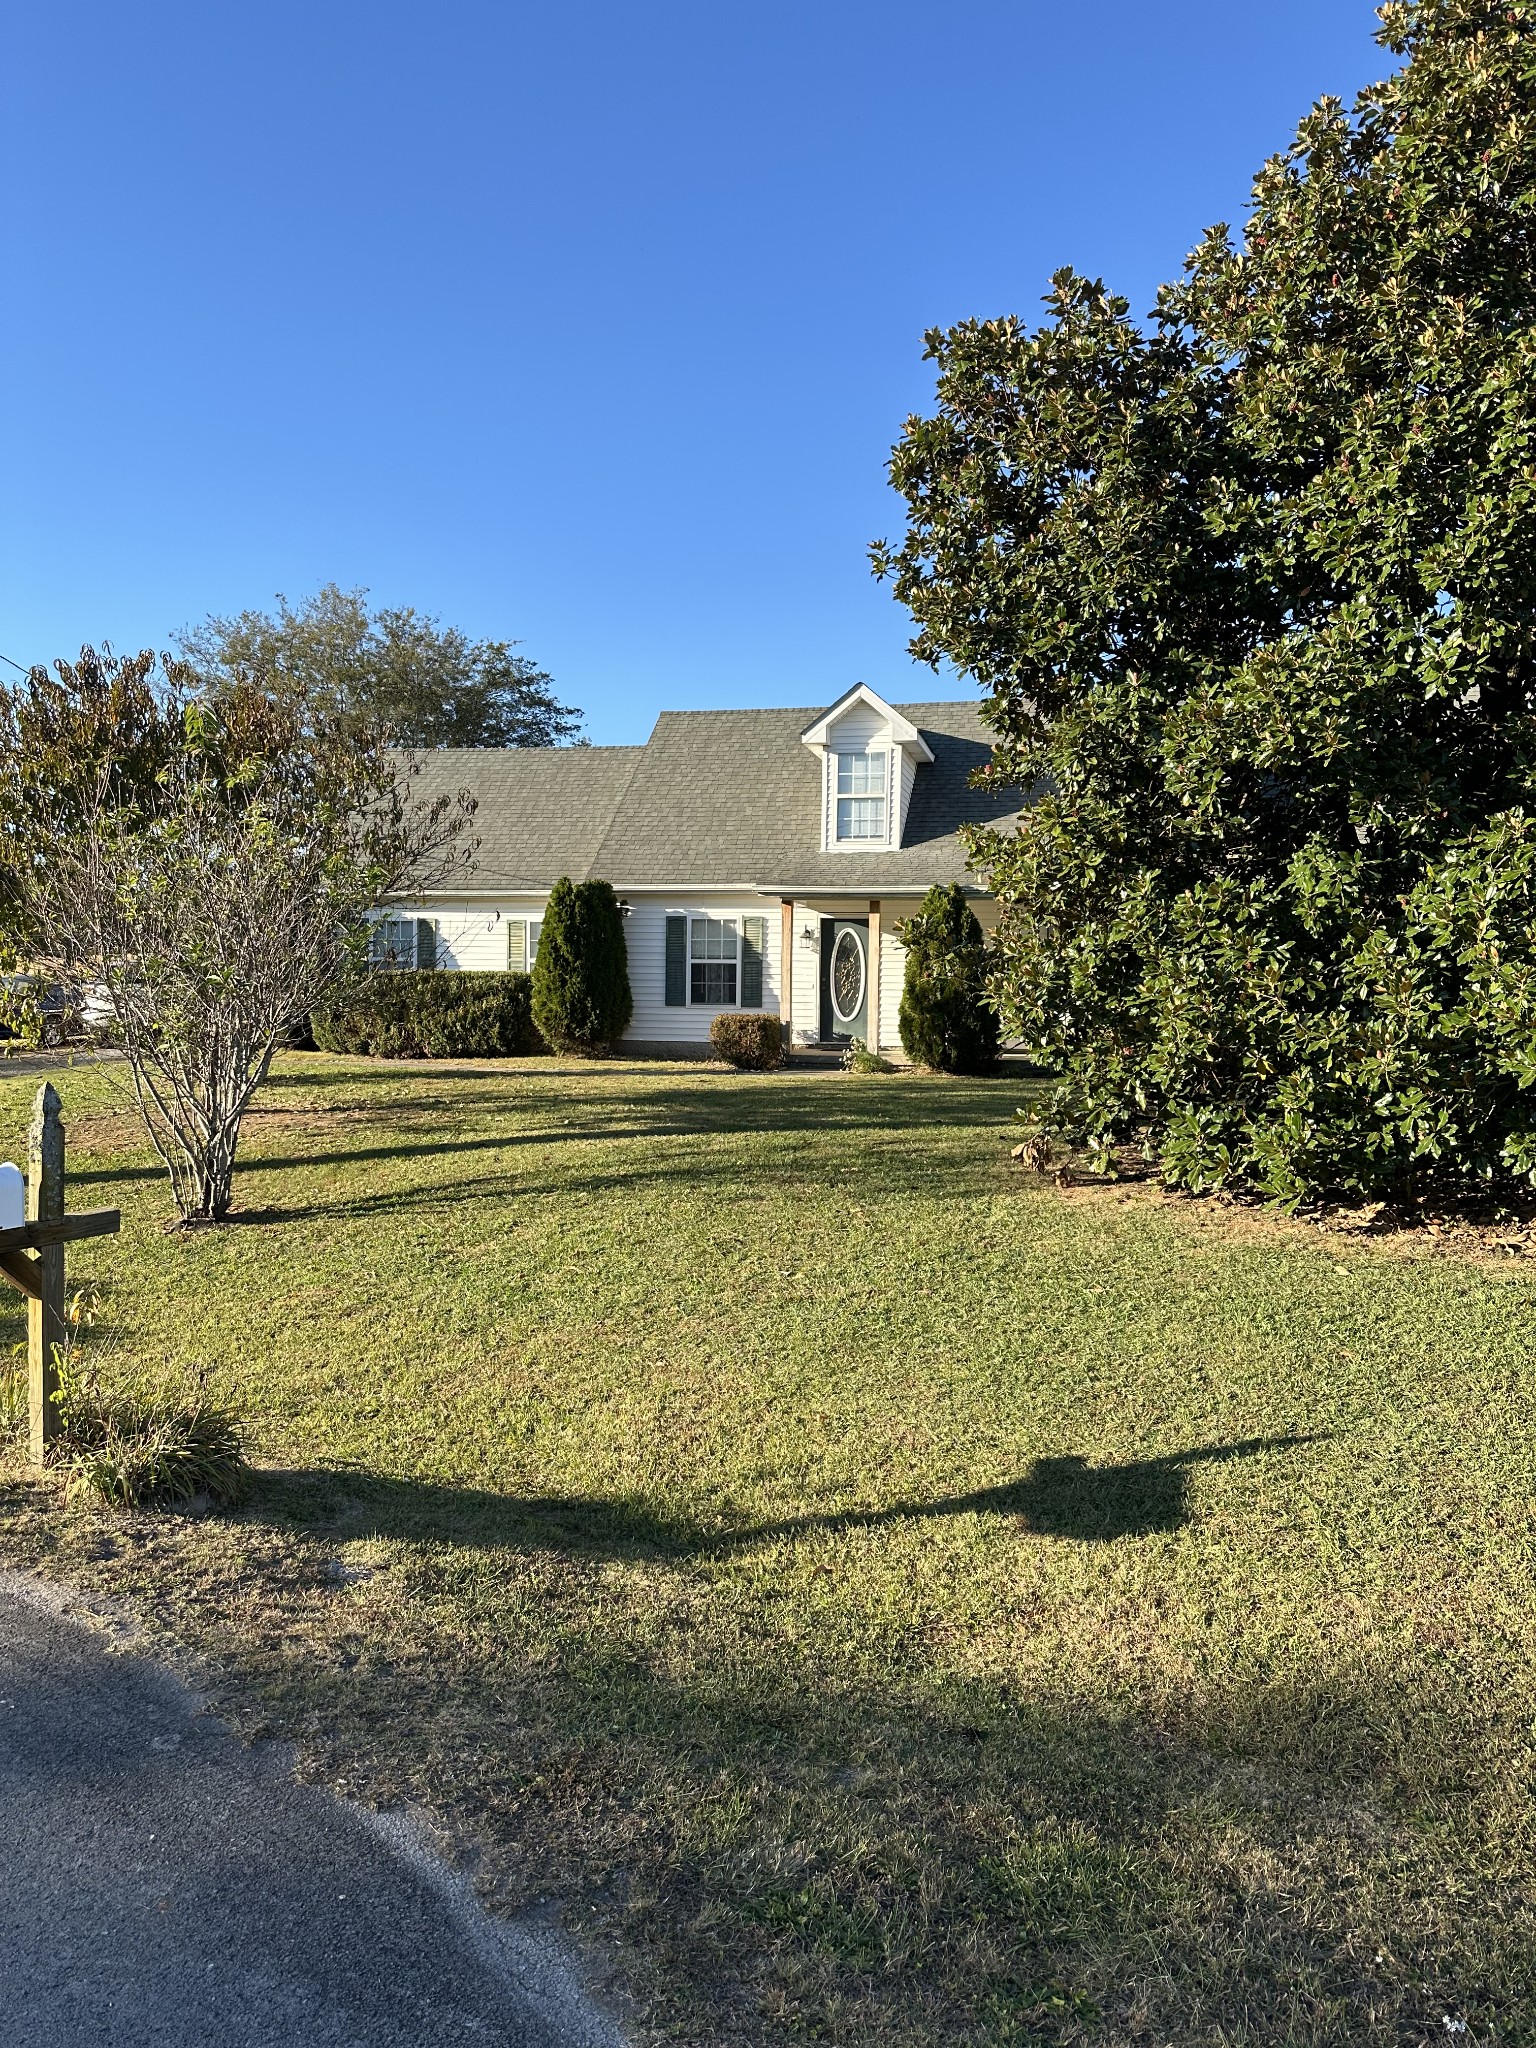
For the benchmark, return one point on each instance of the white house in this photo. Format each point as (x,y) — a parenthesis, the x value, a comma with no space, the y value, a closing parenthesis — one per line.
(763,859)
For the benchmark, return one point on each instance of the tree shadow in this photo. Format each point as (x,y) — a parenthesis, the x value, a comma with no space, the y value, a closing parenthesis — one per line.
(763,1105)
(871,1843)
(1065,1498)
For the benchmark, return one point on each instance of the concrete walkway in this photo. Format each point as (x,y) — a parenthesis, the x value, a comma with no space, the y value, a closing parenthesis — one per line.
(164,1885)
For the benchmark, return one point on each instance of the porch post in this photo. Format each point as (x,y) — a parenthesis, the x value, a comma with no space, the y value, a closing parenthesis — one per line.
(874,974)
(787,969)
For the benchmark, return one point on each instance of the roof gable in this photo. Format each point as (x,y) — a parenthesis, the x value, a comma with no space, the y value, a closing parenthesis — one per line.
(901,730)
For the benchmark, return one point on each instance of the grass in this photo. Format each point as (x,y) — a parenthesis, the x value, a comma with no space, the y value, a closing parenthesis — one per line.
(886,1598)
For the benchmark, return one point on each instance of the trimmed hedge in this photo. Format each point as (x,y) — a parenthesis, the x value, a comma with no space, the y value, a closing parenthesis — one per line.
(748,1038)
(418,1014)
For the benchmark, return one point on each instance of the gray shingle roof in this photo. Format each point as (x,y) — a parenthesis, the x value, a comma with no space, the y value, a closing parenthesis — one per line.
(733,797)
(542,810)
(714,798)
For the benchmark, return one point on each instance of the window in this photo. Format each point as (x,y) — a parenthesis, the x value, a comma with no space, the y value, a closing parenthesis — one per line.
(523,943)
(716,962)
(402,942)
(712,958)
(861,796)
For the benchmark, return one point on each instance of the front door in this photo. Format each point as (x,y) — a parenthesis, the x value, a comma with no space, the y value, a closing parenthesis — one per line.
(844,979)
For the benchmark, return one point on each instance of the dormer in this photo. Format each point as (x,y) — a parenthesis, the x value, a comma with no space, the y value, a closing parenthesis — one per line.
(869,759)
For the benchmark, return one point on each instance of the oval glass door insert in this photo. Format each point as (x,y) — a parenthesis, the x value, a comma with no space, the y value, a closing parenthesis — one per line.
(847,977)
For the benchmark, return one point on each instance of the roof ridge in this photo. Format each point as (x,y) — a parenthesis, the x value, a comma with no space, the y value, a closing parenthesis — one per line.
(788,710)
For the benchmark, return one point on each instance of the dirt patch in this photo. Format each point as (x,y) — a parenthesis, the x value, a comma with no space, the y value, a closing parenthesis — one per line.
(1485,1231)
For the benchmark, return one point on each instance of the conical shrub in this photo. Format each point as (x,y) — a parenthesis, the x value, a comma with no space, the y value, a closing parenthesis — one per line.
(945,1020)
(581,997)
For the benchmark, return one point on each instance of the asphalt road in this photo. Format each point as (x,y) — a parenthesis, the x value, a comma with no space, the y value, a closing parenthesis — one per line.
(164,1885)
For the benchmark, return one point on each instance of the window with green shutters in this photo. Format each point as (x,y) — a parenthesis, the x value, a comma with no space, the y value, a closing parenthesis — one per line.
(394,942)
(715,963)
(426,942)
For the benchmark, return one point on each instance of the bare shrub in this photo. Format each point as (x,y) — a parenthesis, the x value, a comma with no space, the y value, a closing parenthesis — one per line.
(200,864)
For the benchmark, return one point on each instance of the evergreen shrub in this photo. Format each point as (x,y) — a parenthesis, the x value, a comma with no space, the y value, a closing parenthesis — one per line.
(412,1015)
(945,1020)
(748,1038)
(581,998)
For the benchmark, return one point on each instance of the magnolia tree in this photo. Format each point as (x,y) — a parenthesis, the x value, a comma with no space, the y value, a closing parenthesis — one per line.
(201,867)
(1252,587)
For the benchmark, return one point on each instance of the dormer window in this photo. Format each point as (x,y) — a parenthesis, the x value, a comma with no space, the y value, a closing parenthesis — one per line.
(870,754)
(861,796)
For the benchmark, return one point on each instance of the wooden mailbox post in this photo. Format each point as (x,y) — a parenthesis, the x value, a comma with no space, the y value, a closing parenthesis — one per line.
(32,1258)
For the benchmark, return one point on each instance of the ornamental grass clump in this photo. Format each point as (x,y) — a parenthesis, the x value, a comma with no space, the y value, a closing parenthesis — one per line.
(859,1059)
(131,1451)
(126,1444)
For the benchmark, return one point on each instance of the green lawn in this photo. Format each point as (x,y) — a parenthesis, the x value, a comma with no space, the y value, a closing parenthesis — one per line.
(885,1598)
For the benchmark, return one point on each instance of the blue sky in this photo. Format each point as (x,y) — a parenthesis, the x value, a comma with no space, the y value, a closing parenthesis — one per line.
(589,326)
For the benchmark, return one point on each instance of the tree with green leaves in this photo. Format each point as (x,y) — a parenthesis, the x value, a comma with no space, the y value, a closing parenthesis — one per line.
(428,684)
(1253,589)
(946,1019)
(201,865)
(581,996)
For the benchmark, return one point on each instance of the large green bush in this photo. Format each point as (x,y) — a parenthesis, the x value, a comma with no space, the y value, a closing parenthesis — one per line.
(425,1015)
(945,1019)
(1253,588)
(581,998)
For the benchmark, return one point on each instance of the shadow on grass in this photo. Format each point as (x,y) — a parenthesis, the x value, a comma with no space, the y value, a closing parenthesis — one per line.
(727,1106)
(1064,1497)
(884,1858)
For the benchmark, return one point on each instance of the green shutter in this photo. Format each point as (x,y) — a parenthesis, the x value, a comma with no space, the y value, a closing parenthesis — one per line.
(754,937)
(517,946)
(677,962)
(426,942)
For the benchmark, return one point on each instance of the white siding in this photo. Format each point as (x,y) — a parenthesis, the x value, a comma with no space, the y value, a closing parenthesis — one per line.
(807,984)
(893,961)
(645,932)
(472,938)
(859,727)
